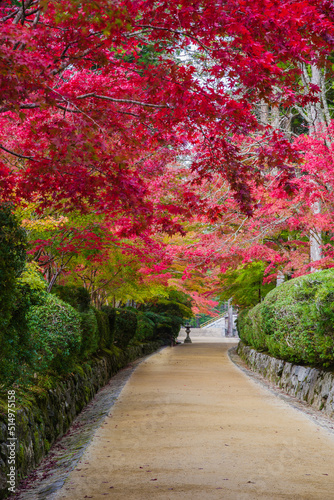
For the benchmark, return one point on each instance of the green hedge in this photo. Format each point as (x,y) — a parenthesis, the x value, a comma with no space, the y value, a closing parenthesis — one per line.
(77,296)
(90,335)
(111,315)
(12,261)
(125,327)
(168,314)
(103,328)
(55,335)
(159,327)
(146,328)
(122,325)
(295,321)
(51,332)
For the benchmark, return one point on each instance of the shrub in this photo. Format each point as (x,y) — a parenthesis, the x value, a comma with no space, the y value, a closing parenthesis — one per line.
(172,312)
(55,335)
(77,296)
(111,314)
(122,324)
(104,334)
(12,261)
(16,353)
(146,328)
(164,329)
(31,286)
(89,333)
(295,321)
(250,325)
(125,327)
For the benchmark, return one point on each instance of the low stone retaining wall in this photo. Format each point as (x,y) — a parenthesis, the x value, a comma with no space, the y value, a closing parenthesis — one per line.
(47,415)
(316,387)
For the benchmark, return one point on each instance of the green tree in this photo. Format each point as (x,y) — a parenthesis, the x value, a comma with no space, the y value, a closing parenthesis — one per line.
(172,311)
(245,284)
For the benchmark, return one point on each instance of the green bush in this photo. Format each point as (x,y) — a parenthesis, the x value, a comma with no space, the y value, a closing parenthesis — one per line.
(55,335)
(89,333)
(170,314)
(146,328)
(153,326)
(16,353)
(77,296)
(125,327)
(104,334)
(122,325)
(111,314)
(295,321)
(31,286)
(12,262)
(166,328)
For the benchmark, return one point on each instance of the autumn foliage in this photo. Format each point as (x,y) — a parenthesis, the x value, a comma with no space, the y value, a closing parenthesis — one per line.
(127,124)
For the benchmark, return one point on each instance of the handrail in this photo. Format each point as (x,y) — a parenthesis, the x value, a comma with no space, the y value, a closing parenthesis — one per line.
(214,319)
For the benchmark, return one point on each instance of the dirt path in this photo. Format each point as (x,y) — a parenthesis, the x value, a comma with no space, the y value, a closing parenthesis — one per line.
(190,425)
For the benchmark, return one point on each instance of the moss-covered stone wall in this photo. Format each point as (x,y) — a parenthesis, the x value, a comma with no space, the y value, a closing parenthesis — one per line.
(46,414)
(311,385)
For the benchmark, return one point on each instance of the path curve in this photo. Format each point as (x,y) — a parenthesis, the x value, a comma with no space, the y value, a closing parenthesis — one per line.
(191,425)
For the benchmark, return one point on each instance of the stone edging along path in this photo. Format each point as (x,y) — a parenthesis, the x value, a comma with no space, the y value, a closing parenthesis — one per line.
(310,385)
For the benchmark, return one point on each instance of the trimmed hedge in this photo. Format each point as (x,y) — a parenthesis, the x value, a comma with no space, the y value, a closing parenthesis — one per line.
(295,321)
(146,327)
(90,335)
(111,315)
(105,336)
(13,243)
(168,314)
(125,327)
(49,335)
(55,335)
(122,325)
(77,296)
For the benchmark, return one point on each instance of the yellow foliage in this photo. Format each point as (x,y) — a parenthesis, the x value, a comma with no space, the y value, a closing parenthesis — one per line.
(47,223)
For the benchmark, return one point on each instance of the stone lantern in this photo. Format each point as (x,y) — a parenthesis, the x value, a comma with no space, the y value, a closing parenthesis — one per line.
(187,340)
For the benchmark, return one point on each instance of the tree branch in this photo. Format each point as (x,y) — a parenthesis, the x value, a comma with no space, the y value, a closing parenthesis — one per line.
(177,32)
(17,154)
(22,106)
(123,101)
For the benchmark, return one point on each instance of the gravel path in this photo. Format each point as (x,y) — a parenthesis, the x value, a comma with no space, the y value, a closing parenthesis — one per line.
(191,425)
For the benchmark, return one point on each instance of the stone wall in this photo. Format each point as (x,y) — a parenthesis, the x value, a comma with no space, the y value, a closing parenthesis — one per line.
(314,386)
(46,415)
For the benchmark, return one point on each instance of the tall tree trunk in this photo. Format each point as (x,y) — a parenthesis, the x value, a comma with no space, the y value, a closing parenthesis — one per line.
(264,113)
(316,114)
(315,238)
(230,318)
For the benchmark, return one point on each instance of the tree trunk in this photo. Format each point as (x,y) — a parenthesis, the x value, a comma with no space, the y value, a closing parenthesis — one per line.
(230,318)
(315,238)
(315,116)
(280,278)
(264,113)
